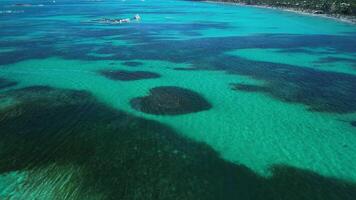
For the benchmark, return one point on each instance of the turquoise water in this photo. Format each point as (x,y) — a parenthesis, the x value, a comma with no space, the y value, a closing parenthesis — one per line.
(281,89)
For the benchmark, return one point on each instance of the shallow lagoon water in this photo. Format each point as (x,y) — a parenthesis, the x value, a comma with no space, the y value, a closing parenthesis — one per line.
(301,117)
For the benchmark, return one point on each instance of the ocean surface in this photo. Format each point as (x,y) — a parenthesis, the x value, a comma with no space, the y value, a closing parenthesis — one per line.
(194,101)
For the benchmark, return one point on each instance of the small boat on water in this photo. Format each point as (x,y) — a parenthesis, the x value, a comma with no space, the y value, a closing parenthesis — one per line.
(119,21)
(27,5)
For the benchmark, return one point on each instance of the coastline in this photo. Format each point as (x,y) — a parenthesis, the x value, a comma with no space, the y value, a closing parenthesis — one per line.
(341,18)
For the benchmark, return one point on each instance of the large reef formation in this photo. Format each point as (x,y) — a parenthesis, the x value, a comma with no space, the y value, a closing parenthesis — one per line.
(71,146)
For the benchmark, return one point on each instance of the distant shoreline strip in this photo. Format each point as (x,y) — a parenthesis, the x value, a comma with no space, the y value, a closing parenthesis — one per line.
(342,18)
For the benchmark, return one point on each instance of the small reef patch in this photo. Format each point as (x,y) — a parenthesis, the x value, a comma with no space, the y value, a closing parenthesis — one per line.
(124,75)
(353,123)
(132,63)
(170,100)
(4,83)
(248,87)
(185,69)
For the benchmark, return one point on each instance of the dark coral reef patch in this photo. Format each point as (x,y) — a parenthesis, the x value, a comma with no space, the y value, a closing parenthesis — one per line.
(124,75)
(185,69)
(248,87)
(353,123)
(119,156)
(4,83)
(170,100)
(332,59)
(320,91)
(132,63)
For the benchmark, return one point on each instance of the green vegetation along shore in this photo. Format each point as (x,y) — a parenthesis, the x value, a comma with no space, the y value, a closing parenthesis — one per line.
(344,9)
